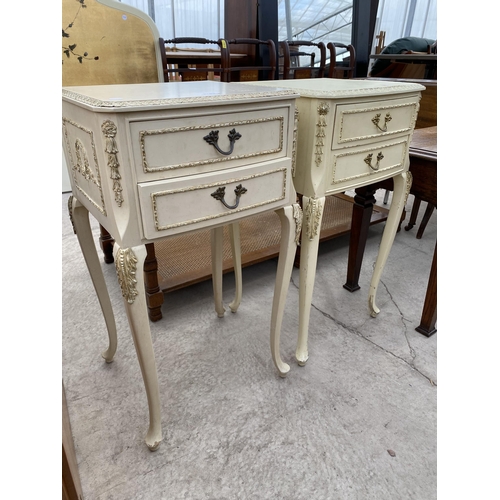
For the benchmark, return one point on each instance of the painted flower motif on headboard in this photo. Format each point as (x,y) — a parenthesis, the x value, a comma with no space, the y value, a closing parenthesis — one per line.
(70,49)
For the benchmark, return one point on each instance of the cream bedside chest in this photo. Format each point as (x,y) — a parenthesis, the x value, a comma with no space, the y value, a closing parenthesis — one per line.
(351,133)
(153,160)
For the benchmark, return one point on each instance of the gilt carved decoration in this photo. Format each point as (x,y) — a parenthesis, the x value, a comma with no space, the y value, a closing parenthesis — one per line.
(109,130)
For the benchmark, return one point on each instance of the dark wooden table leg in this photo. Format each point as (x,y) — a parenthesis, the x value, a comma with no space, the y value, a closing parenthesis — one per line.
(361,217)
(154,295)
(414,214)
(106,242)
(427,325)
(425,219)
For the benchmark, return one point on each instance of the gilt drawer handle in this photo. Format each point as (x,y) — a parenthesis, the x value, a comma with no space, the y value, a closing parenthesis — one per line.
(213,138)
(219,194)
(376,121)
(368,160)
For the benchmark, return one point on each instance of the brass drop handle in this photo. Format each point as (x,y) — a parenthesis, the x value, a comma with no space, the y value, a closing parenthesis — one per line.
(368,160)
(213,139)
(376,121)
(220,193)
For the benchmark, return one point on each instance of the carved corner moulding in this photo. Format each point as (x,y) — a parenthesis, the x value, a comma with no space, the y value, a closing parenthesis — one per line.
(312,214)
(298,216)
(109,130)
(144,133)
(409,182)
(82,164)
(323,110)
(70,211)
(126,268)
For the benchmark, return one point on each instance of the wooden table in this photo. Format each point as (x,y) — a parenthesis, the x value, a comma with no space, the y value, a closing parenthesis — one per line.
(423,167)
(148,163)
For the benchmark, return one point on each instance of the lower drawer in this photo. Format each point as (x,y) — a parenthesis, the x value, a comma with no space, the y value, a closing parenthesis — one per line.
(204,200)
(354,167)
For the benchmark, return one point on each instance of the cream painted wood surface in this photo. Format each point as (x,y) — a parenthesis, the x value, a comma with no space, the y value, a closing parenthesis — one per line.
(250,172)
(351,133)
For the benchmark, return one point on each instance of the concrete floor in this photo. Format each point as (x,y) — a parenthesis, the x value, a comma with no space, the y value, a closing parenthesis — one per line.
(357,422)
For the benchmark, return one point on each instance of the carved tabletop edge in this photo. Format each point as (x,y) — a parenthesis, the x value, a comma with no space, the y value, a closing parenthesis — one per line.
(136,104)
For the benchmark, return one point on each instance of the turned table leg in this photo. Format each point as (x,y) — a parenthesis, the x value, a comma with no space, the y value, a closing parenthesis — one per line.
(361,217)
(154,295)
(106,242)
(427,325)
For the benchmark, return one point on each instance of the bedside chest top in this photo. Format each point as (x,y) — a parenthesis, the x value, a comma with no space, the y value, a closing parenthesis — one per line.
(136,97)
(333,88)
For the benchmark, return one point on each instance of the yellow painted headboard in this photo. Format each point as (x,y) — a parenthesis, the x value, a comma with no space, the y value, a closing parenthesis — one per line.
(106,42)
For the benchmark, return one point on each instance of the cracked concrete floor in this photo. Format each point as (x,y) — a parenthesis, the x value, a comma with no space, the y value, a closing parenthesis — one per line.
(357,422)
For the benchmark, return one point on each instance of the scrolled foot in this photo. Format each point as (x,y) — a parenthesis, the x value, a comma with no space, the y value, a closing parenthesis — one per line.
(109,358)
(283,370)
(301,356)
(234,305)
(374,310)
(153,439)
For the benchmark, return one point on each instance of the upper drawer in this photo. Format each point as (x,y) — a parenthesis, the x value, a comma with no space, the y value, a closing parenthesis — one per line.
(169,148)
(365,121)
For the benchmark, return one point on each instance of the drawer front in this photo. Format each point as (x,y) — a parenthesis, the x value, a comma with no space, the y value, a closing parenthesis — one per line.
(356,167)
(366,121)
(178,205)
(170,148)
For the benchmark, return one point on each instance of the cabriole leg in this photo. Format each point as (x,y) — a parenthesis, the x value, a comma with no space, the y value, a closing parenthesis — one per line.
(313,215)
(402,184)
(291,220)
(217,240)
(129,267)
(81,224)
(234,236)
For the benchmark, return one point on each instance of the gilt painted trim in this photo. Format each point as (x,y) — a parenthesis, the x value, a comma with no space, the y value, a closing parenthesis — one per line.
(294,142)
(323,110)
(144,133)
(126,268)
(109,130)
(78,168)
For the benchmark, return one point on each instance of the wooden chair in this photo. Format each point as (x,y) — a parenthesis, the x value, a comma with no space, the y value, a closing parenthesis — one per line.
(292,67)
(194,64)
(259,63)
(344,69)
